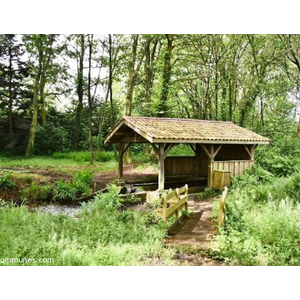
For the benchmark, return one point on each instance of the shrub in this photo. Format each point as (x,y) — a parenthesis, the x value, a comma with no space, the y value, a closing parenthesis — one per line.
(6,182)
(35,192)
(51,137)
(64,191)
(70,190)
(262,224)
(282,165)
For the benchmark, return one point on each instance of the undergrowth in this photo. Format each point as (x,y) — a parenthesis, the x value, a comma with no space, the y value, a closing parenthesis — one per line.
(101,235)
(262,221)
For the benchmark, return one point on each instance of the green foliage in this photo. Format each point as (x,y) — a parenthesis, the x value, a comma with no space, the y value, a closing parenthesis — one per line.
(84,156)
(101,235)
(254,176)
(36,192)
(208,193)
(6,182)
(64,191)
(283,165)
(50,138)
(262,224)
(70,190)
(109,201)
(181,150)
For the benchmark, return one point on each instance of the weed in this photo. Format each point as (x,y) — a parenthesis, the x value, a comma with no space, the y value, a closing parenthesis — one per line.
(35,192)
(70,190)
(6,182)
(101,235)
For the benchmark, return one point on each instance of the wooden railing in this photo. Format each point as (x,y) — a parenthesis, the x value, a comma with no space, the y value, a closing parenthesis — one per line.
(222,208)
(236,167)
(172,203)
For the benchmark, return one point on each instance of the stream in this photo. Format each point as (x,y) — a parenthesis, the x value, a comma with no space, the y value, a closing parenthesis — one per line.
(70,210)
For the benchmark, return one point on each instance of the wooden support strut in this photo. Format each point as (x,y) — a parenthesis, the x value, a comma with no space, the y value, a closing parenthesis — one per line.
(251,150)
(122,150)
(161,153)
(211,153)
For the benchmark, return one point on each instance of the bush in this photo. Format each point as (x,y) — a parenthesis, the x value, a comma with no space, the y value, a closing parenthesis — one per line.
(254,176)
(282,165)
(262,224)
(70,190)
(51,137)
(35,192)
(6,182)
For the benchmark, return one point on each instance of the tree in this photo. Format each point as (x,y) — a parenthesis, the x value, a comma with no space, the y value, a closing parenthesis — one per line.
(13,72)
(42,45)
(90,100)
(162,107)
(134,67)
(80,41)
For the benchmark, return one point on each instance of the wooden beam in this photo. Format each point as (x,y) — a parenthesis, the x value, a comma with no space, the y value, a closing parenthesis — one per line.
(121,153)
(217,151)
(139,131)
(193,148)
(128,139)
(252,151)
(199,141)
(170,146)
(206,151)
(247,149)
(125,148)
(155,149)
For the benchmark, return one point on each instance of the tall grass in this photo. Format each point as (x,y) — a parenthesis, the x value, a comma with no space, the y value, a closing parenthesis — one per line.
(101,235)
(263,224)
(84,156)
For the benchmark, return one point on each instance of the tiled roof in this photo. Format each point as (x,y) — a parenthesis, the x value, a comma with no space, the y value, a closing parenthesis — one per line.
(171,130)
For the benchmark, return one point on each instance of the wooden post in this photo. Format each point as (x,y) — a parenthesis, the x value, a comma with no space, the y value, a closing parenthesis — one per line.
(164,207)
(222,208)
(121,153)
(161,167)
(177,197)
(252,150)
(210,160)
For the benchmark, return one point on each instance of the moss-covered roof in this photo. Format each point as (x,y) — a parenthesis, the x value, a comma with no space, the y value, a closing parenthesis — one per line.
(172,130)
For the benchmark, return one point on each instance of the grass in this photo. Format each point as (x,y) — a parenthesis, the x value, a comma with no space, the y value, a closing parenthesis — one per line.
(262,222)
(57,165)
(102,235)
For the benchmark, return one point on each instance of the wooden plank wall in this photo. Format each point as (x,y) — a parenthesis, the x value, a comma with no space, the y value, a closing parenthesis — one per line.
(232,152)
(182,165)
(236,167)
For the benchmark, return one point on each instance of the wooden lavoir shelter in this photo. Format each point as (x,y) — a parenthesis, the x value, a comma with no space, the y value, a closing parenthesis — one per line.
(217,145)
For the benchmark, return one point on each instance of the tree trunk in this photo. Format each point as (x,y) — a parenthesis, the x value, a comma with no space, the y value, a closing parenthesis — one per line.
(10,120)
(110,83)
(149,60)
(79,108)
(42,97)
(90,101)
(162,107)
(131,76)
(33,125)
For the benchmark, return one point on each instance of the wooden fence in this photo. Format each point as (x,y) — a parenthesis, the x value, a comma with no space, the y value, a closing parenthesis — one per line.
(172,203)
(236,167)
(222,208)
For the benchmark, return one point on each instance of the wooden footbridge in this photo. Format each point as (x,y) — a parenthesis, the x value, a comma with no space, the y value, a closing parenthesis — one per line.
(196,230)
